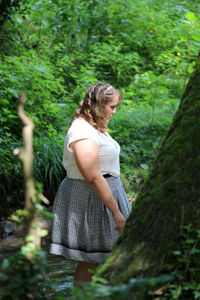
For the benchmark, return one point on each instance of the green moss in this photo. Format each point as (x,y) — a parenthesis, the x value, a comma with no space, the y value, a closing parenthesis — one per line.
(167,201)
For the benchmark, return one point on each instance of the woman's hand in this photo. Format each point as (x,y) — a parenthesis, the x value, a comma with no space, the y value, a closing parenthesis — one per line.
(119,220)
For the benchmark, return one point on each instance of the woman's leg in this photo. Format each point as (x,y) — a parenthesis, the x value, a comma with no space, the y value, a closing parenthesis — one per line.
(82,274)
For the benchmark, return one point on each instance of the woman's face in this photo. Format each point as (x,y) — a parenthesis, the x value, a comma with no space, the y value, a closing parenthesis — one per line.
(110,108)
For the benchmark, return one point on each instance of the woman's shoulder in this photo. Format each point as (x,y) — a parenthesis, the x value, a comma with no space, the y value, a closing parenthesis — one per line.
(80,126)
(81,129)
(82,123)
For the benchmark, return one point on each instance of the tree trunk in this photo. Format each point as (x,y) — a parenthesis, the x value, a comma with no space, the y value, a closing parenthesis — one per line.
(168,200)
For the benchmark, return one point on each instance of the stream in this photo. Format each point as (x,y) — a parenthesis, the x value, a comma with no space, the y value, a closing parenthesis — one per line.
(61,269)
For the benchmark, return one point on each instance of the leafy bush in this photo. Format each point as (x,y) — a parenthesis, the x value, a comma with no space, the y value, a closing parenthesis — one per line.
(48,170)
(41,86)
(185,267)
(21,278)
(140,140)
(48,163)
(99,289)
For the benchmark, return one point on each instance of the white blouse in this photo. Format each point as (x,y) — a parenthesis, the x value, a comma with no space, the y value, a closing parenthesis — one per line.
(109,149)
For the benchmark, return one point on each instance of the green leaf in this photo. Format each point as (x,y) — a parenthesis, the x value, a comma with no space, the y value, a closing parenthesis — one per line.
(177,252)
(196,37)
(144,166)
(13,92)
(26,249)
(190,241)
(196,295)
(5,264)
(16,219)
(190,16)
(19,20)
(43,232)
(3,277)
(183,37)
(190,69)
(22,212)
(29,238)
(47,215)
(194,251)
(38,68)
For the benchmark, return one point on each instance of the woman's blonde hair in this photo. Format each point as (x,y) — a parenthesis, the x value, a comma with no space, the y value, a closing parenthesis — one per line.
(92,107)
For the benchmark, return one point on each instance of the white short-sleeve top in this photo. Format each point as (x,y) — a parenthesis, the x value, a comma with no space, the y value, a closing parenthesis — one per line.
(109,149)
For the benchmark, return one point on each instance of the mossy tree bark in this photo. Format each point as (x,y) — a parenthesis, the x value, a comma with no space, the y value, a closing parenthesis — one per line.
(168,200)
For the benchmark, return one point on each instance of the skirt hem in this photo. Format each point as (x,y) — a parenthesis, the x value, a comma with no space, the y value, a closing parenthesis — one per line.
(78,255)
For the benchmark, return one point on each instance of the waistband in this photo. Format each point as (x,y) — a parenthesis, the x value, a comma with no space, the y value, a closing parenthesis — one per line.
(107,175)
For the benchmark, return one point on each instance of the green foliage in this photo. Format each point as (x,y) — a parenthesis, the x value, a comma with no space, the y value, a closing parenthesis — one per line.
(99,289)
(140,140)
(24,275)
(54,50)
(7,7)
(40,84)
(11,177)
(21,278)
(181,283)
(48,167)
(185,267)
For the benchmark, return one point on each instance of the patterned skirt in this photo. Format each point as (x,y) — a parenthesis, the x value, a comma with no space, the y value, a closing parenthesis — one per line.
(83,228)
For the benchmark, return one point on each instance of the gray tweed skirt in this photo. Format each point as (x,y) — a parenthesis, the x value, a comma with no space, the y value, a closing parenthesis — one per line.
(83,228)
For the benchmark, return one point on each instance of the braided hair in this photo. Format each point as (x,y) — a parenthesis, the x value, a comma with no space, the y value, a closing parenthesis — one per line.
(92,107)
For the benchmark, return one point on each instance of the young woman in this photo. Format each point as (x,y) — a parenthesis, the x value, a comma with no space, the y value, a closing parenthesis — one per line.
(91,206)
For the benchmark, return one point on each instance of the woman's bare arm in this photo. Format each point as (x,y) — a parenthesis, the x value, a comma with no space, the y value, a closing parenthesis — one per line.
(87,158)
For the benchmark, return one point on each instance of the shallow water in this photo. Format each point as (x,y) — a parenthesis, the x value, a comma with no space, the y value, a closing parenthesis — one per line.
(61,269)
